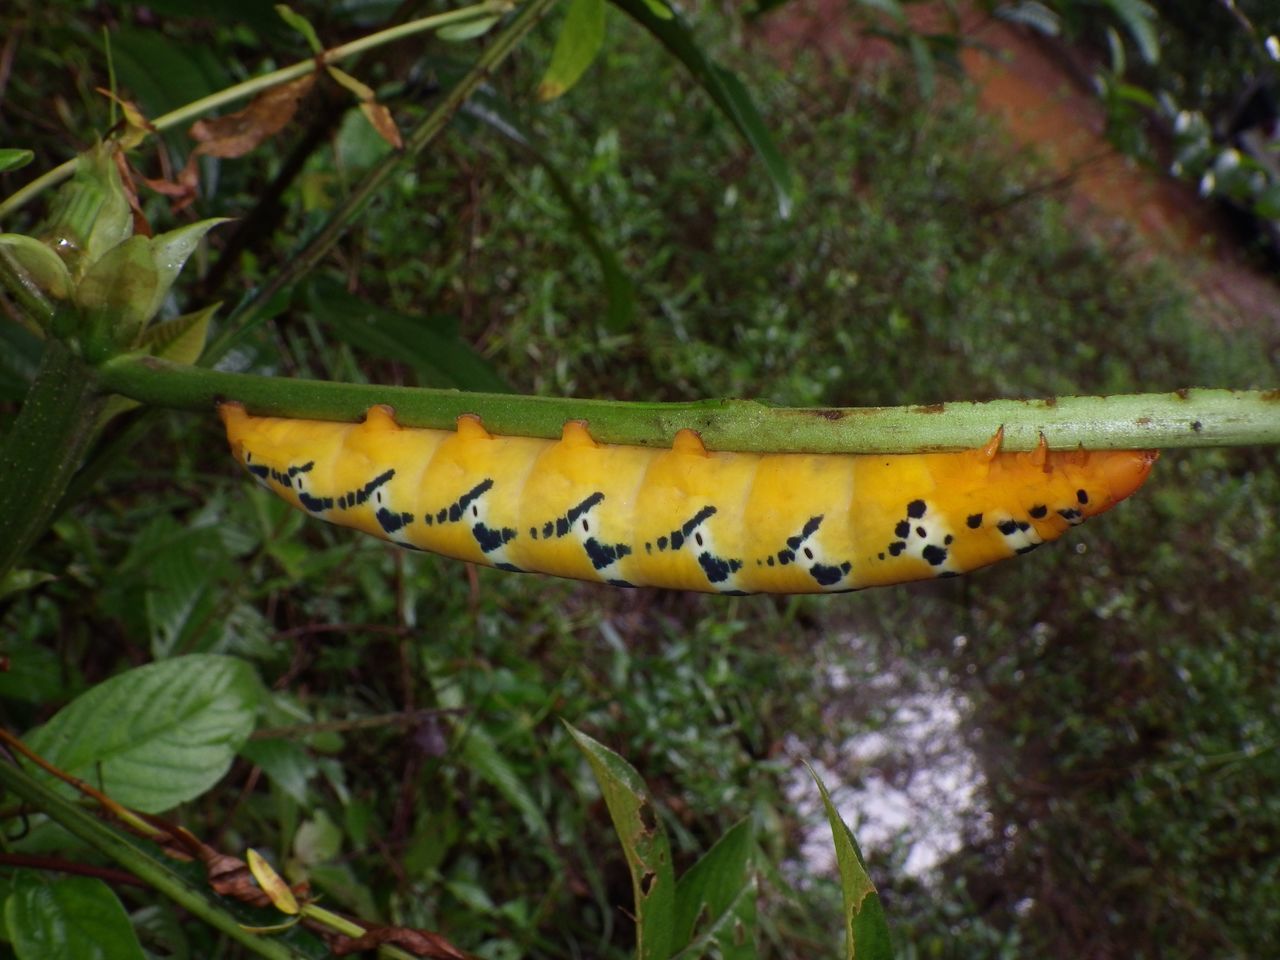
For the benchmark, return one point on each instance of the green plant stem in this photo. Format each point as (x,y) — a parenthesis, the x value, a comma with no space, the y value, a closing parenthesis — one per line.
(345,927)
(319,245)
(131,857)
(1191,418)
(44,446)
(256,85)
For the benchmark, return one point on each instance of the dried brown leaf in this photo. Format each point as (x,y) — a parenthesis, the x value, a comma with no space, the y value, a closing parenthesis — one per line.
(380,117)
(266,115)
(182,189)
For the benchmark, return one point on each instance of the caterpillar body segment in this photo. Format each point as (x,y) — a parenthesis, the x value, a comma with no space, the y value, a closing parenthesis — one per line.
(683,518)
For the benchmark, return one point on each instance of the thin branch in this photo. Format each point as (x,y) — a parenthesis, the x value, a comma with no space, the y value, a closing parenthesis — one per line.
(1185,418)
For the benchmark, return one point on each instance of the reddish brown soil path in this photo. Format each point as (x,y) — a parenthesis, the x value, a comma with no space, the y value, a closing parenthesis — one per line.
(1044,105)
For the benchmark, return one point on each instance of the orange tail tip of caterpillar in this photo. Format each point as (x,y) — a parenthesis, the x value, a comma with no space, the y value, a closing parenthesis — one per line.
(1121,473)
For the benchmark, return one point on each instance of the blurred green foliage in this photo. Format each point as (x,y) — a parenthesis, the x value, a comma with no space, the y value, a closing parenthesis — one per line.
(409,760)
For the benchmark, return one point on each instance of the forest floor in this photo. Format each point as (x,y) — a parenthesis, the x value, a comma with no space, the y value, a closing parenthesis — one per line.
(1042,98)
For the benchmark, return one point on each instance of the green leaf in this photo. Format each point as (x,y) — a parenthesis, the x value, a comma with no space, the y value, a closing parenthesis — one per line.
(172,575)
(158,735)
(14,158)
(182,338)
(90,214)
(723,87)
(1033,14)
(467,30)
(19,581)
(716,899)
(1132,94)
(36,675)
(115,297)
(286,763)
(318,839)
(42,266)
(579,42)
(434,349)
(169,252)
(643,841)
(1139,19)
(72,917)
(922,57)
(302,25)
(659,9)
(891,8)
(866,930)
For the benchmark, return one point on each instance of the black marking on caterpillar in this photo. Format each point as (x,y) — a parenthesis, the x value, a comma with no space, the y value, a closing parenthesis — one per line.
(927,544)
(489,539)
(825,574)
(603,555)
(345,501)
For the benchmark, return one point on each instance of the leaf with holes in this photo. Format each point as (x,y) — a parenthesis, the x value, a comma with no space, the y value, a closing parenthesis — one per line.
(716,899)
(155,736)
(866,930)
(643,841)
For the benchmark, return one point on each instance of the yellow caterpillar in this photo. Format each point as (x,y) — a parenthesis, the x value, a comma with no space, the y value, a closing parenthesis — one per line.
(683,518)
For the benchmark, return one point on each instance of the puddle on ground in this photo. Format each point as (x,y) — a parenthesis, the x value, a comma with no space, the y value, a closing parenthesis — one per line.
(910,786)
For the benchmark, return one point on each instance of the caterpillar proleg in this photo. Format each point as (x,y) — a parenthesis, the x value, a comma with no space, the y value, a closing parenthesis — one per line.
(683,518)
